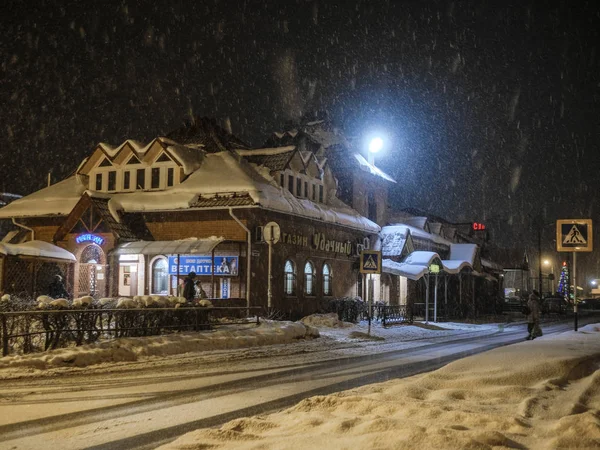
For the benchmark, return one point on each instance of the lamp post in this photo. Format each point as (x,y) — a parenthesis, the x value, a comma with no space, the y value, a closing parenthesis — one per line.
(547,262)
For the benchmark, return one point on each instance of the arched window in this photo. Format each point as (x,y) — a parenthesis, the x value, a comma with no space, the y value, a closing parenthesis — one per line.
(160,277)
(326,279)
(289,278)
(309,278)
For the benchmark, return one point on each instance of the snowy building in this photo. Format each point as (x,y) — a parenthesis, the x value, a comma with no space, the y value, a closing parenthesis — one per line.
(139,217)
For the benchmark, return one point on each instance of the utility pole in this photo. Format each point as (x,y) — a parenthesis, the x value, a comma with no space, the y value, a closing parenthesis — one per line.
(540,260)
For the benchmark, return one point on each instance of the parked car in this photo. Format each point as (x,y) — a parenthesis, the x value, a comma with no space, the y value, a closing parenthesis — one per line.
(555,305)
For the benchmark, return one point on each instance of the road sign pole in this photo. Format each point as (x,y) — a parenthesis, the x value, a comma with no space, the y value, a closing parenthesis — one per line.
(269,292)
(370,294)
(575,288)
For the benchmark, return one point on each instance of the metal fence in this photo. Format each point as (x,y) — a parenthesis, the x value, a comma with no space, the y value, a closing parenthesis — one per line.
(35,331)
(29,278)
(392,315)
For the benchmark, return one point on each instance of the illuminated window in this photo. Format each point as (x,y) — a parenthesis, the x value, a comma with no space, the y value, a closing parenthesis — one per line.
(160,277)
(309,278)
(326,279)
(289,278)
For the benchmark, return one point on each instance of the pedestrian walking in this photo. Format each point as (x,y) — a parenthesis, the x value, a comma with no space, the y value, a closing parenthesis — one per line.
(533,317)
(189,288)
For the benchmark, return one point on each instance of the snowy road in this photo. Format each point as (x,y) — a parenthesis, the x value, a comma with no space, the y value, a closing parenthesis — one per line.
(141,405)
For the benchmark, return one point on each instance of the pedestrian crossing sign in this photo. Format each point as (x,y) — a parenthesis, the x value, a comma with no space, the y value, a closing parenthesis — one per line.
(574,235)
(370,261)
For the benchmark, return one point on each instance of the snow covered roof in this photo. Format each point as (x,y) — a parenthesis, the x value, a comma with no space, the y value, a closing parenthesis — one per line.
(182,246)
(37,248)
(410,271)
(453,267)
(490,264)
(422,258)
(393,240)
(463,252)
(415,233)
(415,221)
(56,200)
(219,173)
(370,168)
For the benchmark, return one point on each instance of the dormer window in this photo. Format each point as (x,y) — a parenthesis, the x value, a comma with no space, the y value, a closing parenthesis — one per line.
(170,176)
(291,183)
(112,180)
(98,181)
(298,187)
(155,178)
(320,193)
(126,180)
(140,182)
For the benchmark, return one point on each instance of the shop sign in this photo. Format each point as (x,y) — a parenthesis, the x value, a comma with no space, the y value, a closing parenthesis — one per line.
(224,266)
(225,287)
(319,242)
(88,237)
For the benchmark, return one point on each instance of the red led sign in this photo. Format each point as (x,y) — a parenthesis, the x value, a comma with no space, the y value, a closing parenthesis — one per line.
(478,226)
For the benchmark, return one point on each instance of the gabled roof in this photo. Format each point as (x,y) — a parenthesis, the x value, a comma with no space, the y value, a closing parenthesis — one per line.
(274,158)
(203,132)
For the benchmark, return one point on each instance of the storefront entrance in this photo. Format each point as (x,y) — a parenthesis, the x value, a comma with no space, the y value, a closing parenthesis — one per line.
(92,272)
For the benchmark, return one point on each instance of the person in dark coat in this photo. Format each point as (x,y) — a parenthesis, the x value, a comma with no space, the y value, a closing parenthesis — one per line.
(57,288)
(533,318)
(189,288)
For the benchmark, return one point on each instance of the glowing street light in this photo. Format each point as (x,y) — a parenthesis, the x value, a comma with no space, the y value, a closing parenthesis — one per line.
(374,146)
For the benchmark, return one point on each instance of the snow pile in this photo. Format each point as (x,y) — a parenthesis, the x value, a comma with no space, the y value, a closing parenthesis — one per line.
(325,320)
(536,394)
(131,349)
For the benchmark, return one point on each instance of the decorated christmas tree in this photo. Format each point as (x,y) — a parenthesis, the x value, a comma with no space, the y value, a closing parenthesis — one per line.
(564,282)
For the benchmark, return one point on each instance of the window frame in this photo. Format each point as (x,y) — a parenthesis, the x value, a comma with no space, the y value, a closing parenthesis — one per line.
(153,262)
(289,278)
(99,181)
(327,280)
(309,278)
(138,185)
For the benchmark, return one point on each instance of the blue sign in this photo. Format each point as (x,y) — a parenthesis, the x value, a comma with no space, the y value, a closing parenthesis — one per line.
(89,238)
(225,285)
(224,266)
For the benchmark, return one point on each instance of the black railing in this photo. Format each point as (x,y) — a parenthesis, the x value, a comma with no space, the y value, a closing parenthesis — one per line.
(393,314)
(33,331)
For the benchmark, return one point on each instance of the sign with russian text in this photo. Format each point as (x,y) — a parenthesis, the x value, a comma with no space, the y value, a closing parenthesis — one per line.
(370,261)
(224,266)
(88,237)
(574,235)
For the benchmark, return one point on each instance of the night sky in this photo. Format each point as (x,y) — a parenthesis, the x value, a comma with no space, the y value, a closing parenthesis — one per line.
(490,110)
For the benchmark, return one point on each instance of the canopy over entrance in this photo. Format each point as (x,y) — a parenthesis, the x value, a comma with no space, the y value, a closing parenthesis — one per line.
(178,247)
(39,249)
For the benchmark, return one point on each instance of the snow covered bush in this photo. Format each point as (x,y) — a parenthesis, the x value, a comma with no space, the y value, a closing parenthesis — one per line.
(348,309)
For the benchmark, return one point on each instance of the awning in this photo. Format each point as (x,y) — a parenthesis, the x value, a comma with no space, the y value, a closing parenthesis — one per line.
(410,271)
(39,249)
(179,247)
(454,267)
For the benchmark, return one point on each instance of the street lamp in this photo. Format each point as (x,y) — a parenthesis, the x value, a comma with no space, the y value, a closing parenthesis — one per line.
(374,146)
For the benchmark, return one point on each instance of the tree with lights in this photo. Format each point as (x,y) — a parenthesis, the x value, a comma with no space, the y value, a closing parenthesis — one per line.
(564,283)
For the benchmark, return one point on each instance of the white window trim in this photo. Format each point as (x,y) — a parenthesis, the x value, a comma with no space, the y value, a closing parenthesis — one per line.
(151,277)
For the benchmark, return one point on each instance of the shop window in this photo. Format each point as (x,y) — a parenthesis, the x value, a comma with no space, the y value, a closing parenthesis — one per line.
(170,176)
(160,277)
(298,187)
(291,183)
(140,181)
(112,180)
(309,278)
(289,278)
(326,279)
(155,178)
(126,179)
(98,181)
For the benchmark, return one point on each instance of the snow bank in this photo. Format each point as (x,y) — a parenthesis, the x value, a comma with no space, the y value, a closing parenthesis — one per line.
(130,349)
(325,320)
(537,394)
